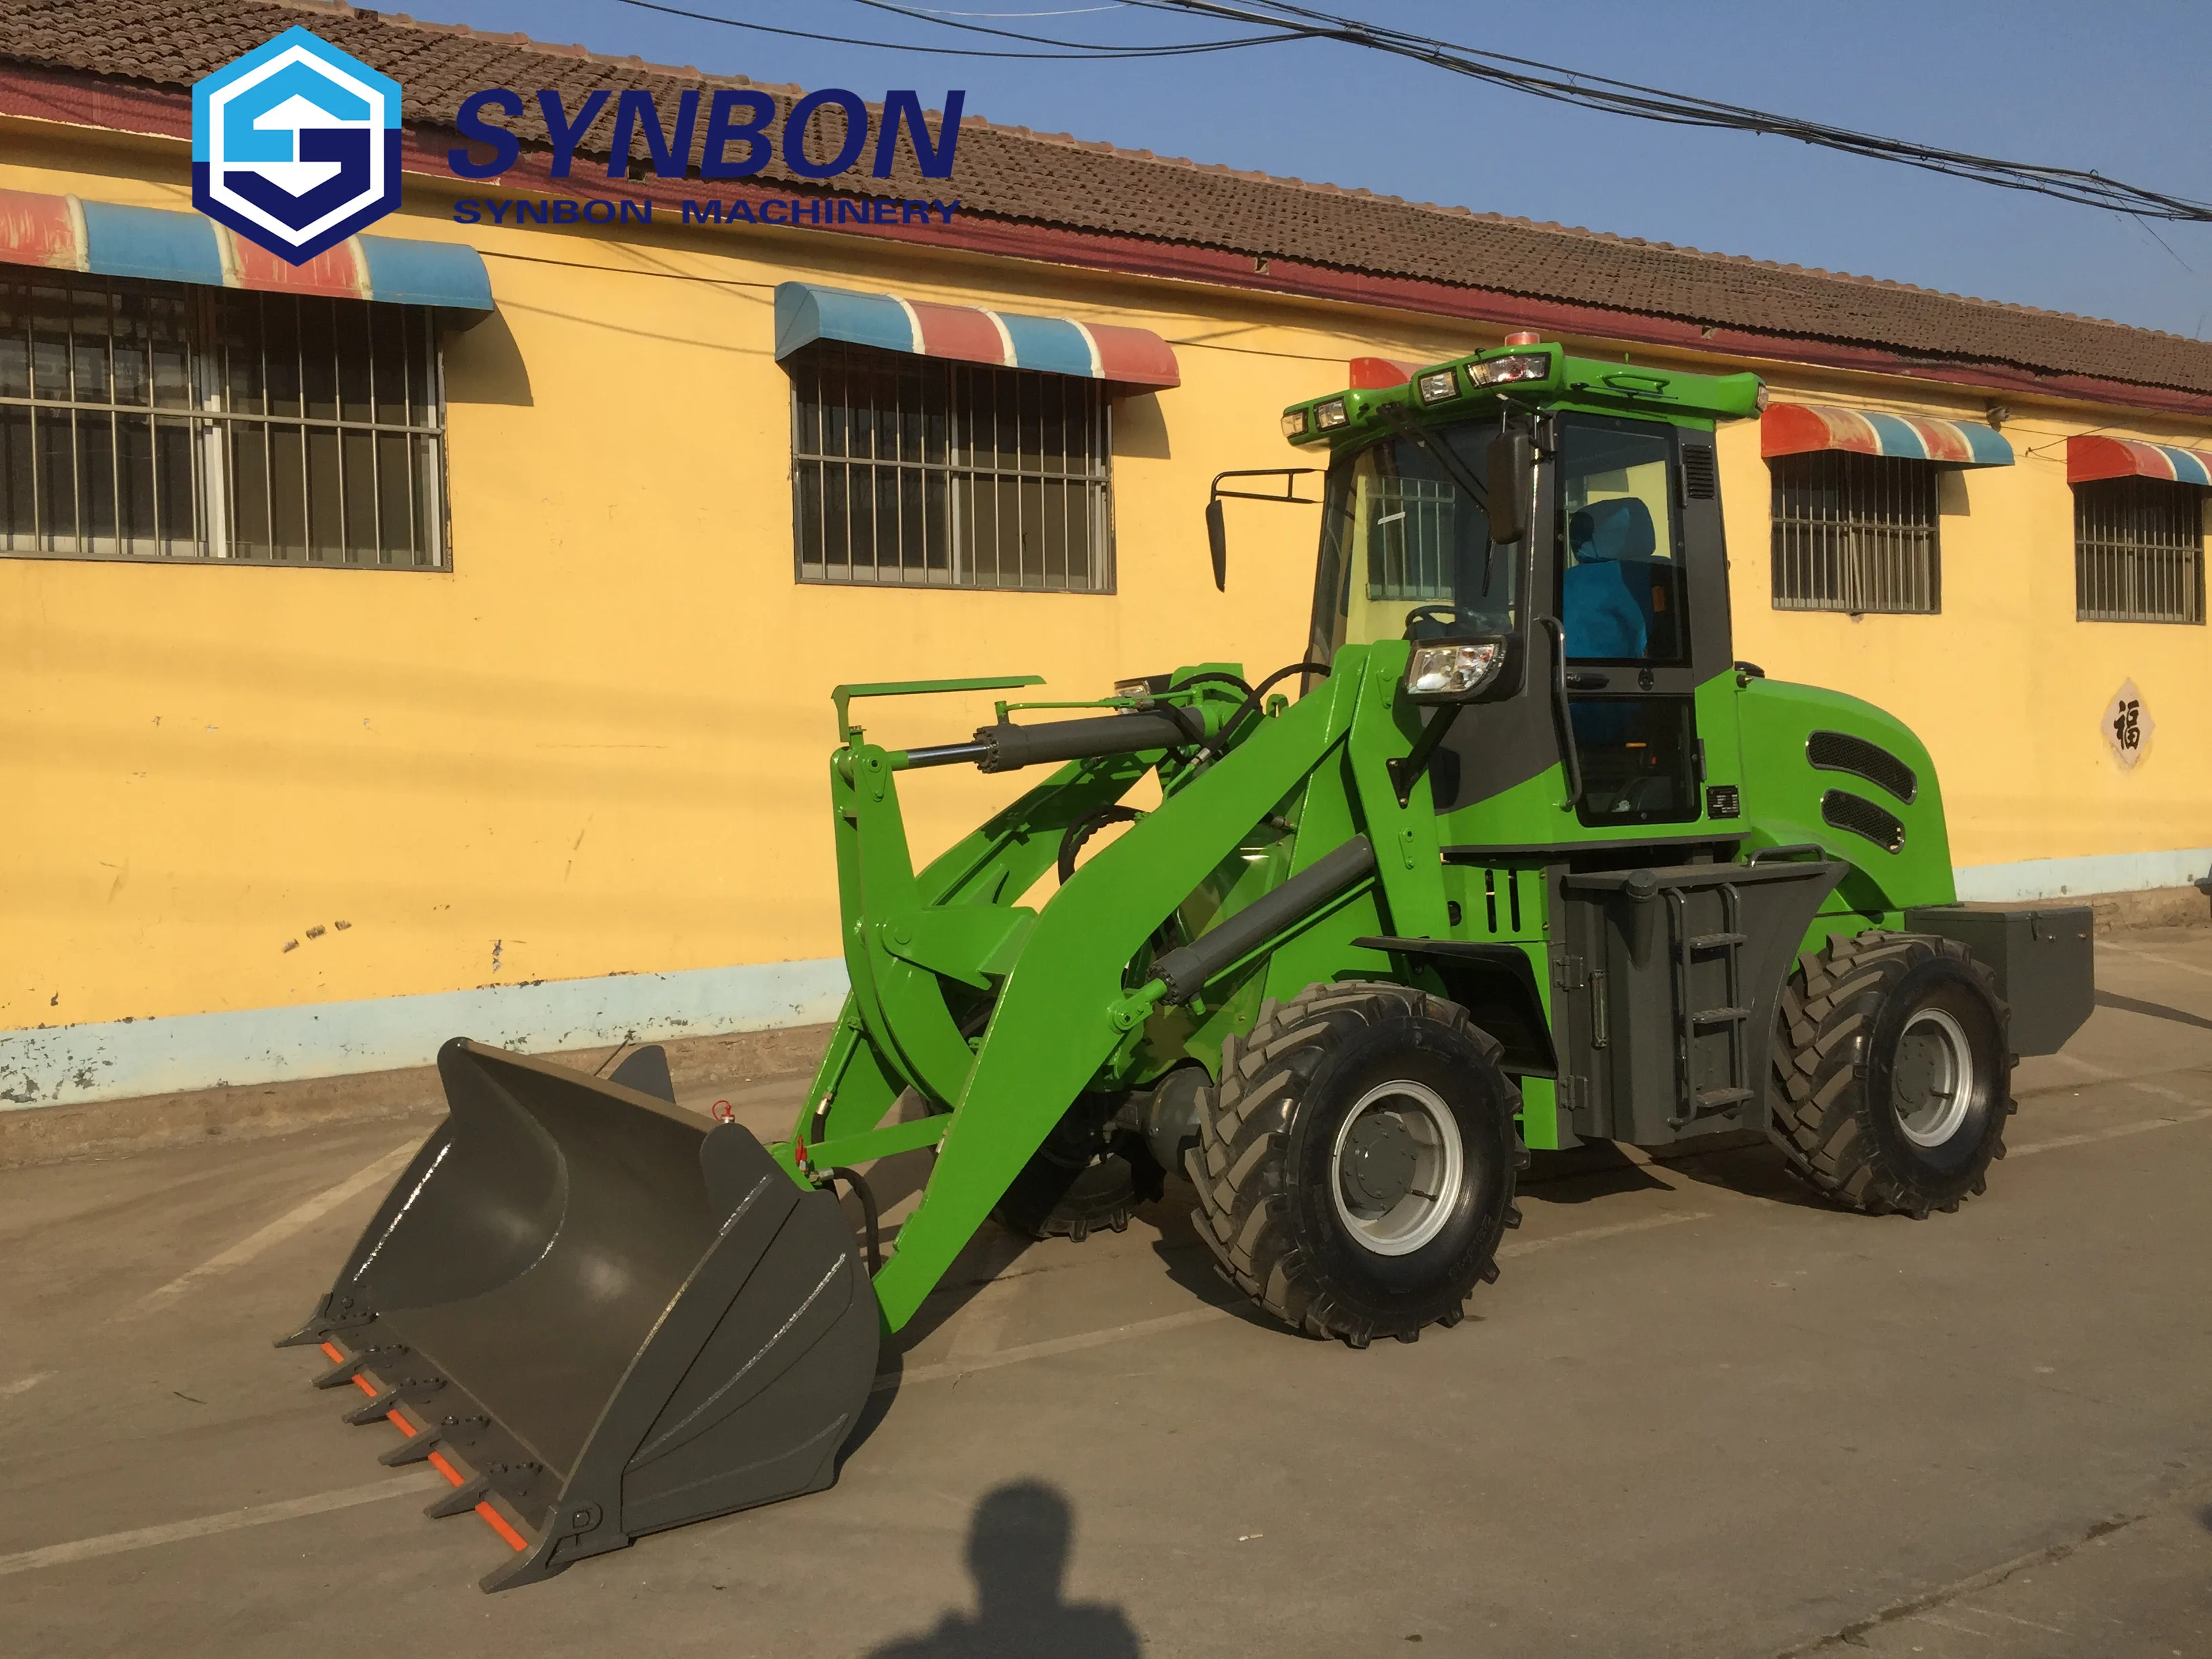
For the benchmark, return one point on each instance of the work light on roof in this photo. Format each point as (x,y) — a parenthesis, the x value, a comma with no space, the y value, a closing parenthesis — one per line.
(1502,371)
(1331,414)
(1438,386)
(1294,423)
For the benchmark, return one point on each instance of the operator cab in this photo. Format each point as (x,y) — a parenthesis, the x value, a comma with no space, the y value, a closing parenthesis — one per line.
(1614,592)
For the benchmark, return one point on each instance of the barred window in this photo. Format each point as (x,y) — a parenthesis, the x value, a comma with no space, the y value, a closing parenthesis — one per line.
(921,471)
(143,420)
(1410,543)
(1855,532)
(2138,552)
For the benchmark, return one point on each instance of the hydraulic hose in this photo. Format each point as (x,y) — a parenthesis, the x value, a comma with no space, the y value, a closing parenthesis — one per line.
(1219,741)
(866,1194)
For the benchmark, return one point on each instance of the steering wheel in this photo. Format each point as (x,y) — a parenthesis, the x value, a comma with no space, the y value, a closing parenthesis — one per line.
(1444,617)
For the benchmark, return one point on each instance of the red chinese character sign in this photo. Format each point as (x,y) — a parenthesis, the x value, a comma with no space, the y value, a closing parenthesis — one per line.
(2128,726)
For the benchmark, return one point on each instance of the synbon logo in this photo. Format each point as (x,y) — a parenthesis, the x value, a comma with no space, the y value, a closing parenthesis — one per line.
(296,146)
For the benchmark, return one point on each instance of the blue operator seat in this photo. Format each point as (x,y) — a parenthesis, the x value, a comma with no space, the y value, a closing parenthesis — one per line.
(1604,611)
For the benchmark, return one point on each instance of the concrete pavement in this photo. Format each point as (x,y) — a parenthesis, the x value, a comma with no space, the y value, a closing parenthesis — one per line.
(1697,1415)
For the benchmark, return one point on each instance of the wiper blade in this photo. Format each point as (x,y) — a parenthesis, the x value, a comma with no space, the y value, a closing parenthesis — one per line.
(1449,463)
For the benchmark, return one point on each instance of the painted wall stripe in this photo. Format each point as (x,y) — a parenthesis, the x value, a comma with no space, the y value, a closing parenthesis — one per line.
(2070,878)
(116,1059)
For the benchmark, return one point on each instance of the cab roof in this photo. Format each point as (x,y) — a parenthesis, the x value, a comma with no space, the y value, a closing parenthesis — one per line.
(1528,375)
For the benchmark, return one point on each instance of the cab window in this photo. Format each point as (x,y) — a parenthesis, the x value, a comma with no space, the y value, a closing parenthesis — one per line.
(1621,575)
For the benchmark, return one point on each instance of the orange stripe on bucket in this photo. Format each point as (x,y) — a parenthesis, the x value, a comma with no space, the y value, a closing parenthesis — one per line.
(438,1463)
(498,1523)
(335,1358)
(364,1385)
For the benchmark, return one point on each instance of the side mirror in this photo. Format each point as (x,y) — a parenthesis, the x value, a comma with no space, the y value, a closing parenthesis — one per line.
(1217,526)
(1512,486)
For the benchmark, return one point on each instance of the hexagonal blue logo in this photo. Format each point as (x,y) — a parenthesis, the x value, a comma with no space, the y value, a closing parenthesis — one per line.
(295,145)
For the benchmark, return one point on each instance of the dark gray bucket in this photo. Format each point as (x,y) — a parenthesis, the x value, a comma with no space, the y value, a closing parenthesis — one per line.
(598,1316)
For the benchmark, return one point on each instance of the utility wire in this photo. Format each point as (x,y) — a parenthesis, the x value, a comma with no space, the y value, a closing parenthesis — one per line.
(1287,22)
(1072,49)
(1552,81)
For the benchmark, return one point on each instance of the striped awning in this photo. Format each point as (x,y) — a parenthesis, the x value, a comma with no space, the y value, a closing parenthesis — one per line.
(67,232)
(2093,458)
(806,311)
(1800,428)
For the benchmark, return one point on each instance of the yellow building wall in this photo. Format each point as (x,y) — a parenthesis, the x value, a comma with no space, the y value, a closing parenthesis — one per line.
(597,746)
(2006,688)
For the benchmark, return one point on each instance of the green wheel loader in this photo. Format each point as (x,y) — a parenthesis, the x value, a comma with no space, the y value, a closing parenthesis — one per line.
(1528,859)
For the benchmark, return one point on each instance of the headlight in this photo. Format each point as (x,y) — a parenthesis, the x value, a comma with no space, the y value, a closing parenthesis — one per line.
(1759,398)
(1436,387)
(1330,414)
(1453,669)
(1294,423)
(1497,371)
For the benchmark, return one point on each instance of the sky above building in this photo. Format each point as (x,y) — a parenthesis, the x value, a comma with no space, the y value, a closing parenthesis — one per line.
(2112,88)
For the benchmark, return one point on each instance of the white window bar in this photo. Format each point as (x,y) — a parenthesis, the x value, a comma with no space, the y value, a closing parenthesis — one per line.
(923,472)
(147,420)
(2138,552)
(1856,533)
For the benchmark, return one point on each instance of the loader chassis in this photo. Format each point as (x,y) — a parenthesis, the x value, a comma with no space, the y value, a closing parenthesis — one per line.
(1528,858)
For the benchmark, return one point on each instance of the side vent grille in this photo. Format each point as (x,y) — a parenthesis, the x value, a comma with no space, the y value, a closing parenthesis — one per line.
(1700,473)
(1841,809)
(1839,751)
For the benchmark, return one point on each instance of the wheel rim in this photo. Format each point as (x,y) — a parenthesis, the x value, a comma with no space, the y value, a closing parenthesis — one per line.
(1933,1077)
(1397,1167)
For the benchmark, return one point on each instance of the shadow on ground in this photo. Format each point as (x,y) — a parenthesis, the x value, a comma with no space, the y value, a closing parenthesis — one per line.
(2154,1010)
(1018,1550)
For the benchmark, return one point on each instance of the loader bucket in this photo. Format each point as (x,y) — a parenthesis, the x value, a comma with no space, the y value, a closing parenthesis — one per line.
(597,1316)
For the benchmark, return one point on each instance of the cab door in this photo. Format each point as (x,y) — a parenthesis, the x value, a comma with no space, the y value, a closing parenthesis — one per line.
(1629,584)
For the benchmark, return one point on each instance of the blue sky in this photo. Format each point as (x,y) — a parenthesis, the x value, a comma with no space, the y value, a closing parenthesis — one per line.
(2115,86)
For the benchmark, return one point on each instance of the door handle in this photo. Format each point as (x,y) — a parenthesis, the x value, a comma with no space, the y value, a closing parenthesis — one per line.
(1587,682)
(1568,753)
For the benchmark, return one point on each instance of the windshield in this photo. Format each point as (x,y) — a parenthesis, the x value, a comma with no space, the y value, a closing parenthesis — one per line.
(1398,534)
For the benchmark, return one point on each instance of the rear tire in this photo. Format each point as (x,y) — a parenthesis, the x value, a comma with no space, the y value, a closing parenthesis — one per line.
(1893,1073)
(1355,1165)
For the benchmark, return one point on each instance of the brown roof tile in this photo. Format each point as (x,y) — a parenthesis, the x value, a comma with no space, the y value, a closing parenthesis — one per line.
(1054,179)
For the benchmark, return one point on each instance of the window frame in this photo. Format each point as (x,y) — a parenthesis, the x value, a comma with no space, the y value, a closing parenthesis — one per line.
(945,387)
(209,328)
(2131,553)
(1854,479)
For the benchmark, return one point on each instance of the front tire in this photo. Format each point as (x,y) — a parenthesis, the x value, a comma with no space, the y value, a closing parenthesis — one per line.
(1355,1165)
(1893,1073)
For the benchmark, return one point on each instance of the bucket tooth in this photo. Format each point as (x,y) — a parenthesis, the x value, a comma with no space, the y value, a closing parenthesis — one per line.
(334,1315)
(414,1450)
(453,1434)
(352,1365)
(380,1407)
(462,1500)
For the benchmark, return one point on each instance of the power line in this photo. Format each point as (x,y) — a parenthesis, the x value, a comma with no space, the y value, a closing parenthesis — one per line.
(1562,85)
(1077,50)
